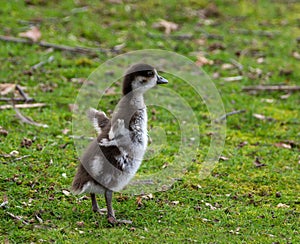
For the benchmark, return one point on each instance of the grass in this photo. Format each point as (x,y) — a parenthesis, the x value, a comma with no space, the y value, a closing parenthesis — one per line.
(237,203)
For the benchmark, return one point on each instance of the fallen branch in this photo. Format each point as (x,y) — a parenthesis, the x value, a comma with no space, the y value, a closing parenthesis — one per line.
(27,120)
(272,88)
(84,50)
(27,105)
(223,117)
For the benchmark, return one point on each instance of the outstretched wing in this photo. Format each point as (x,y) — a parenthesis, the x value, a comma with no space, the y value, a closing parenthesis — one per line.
(98,119)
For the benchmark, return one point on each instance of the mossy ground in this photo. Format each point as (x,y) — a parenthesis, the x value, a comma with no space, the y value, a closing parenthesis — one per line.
(238,203)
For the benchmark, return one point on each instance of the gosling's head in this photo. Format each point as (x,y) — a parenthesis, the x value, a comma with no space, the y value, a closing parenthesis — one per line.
(141,77)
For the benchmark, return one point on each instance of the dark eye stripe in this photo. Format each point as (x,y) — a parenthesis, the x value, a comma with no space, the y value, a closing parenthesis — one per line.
(150,73)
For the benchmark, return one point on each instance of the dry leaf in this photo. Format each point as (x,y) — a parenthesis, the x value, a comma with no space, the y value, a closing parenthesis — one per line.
(201,41)
(296,55)
(258,164)
(33,34)
(242,144)
(5,201)
(65,192)
(285,96)
(236,232)
(39,147)
(47,87)
(139,201)
(282,205)
(288,144)
(223,158)
(201,60)
(260,116)
(66,131)
(285,72)
(73,107)
(14,153)
(119,47)
(211,11)
(166,25)
(227,66)
(6,88)
(283,145)
(210,206)
(216,75)
(254,73)
(216,46)
(147,197)
(165,165)
(267,100)
(260,60)
(3,132)
(80,223)
(111,91)
(26,142)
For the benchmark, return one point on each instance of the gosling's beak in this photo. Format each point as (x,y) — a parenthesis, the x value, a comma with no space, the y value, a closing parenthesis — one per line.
(161,80)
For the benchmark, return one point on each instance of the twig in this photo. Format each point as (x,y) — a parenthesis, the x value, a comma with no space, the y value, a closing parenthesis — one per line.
(20,158)
(272,88)
(237,64)
(23,94)
(233,78)
(17,218)
(32,105)
(84,50)
(40,64)
(39,219)
(27,120)
(82,137)
(3,204)
(223,117)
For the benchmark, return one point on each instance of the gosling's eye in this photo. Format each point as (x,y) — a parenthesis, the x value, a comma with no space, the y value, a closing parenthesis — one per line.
(150,73)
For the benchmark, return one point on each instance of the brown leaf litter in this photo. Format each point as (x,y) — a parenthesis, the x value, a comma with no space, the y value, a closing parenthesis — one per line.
(34,34)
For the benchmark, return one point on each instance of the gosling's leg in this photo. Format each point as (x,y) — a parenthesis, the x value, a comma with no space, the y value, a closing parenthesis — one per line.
(95,207)
(110,212)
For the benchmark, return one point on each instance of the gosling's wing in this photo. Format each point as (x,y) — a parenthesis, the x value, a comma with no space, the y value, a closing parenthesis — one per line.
(98,119)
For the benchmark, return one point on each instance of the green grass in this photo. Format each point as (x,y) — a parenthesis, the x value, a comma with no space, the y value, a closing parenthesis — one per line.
(237,203)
